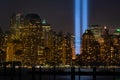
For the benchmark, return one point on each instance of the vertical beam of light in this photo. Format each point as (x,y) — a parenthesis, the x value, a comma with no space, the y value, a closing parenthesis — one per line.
(81,10)
(77,25)
(84,15)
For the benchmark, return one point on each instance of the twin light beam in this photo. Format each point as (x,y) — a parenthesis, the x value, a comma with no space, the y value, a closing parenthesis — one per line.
(81,22)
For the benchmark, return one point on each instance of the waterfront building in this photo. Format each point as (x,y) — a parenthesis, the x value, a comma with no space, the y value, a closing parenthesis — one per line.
(90,48)
(33,42)
(96,30)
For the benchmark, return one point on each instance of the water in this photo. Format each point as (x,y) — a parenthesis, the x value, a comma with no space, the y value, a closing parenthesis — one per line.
(51,77)
(25,75)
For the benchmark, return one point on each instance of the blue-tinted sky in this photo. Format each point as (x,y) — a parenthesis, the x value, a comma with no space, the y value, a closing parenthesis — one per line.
(60,13)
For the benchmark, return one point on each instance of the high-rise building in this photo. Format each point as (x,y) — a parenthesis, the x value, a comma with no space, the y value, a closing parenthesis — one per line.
(97,31)
(16,21)
(62,48)
(32,42)
(29,33)
(88,40)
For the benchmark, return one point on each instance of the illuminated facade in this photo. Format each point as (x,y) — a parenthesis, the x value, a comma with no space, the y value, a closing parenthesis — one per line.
(61,48)
(102,51)
(90,47)
(87,41)
(30,34)
(33,42)
(97,31)
(16,22)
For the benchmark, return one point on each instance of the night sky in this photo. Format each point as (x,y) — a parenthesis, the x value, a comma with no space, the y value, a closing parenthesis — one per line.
(60,13)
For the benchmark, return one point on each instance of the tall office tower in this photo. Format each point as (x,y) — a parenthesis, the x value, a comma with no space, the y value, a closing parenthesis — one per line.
(116,48)
(116,39)
(25,38)
(12,41)
(96,30)
(69,46)
(36,43)
(111,48)
(36,37)
(61,48)
(90,47)
(107,37)
(15,24)
(87,42)
(31,36)
(46,33)
(46,38)
(55,53)
(107,43)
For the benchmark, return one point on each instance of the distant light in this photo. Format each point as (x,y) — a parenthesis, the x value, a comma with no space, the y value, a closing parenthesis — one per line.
(37,66)
(44,22)
(105,27)
(118,30)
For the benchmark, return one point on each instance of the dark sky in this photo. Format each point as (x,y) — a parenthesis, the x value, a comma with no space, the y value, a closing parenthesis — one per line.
(105,12)
(60,13)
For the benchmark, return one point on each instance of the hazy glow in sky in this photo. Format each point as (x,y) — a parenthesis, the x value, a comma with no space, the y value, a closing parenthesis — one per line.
(84,15)
(60,13)
(77,26)
(81,22)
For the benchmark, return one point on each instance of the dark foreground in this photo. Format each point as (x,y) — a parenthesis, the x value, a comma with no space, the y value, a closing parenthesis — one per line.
(53,73)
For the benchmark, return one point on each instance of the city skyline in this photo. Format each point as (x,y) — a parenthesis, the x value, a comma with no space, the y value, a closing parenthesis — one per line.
(59,39)
(32,41)
(60,13)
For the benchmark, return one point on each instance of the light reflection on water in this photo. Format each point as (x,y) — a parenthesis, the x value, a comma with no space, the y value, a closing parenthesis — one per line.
(26,76)
(51,77)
